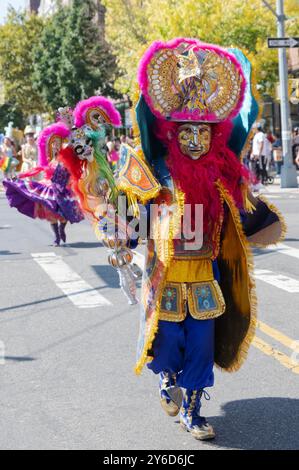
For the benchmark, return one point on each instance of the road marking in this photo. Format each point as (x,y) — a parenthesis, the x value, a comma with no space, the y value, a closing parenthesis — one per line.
(278,280)
(278,336)
(277,355)
(279,196)
(285,249)
(78,291)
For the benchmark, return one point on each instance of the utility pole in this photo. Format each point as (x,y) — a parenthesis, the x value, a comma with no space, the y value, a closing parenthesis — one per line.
(288,170)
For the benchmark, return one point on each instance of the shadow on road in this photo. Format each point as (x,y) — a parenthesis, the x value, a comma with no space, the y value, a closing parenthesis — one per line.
(259,423)
(19,359)
(263,252)
(108,275)
(9,253)
(84,245)
(43,301)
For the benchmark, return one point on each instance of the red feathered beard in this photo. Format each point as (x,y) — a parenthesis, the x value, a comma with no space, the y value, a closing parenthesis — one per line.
(197,178)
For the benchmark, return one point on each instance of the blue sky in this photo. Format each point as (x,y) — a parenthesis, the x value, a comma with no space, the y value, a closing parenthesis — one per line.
(4,4)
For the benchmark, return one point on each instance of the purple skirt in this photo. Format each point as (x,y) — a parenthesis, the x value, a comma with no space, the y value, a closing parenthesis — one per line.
(43,199)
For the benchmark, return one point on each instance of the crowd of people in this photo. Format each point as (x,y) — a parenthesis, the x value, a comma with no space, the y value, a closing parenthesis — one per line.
(39,187)
(265,157)
(15,158)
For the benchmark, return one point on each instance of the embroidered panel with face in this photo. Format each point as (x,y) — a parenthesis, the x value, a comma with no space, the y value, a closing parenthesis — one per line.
(194,139)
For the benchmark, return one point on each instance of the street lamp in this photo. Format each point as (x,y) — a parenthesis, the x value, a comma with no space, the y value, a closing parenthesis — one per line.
(288,170)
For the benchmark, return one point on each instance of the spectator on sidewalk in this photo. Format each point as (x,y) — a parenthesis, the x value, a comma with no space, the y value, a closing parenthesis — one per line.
(8,157)
(277,153)
(295,146)
(257,155)
(267,151)
(29,150)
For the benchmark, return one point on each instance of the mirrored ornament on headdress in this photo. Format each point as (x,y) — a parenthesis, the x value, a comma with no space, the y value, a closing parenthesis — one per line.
(50,142)
(66,116)
(96,112)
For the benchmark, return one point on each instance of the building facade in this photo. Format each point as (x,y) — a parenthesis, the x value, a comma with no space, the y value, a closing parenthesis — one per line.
(33,5)
(48,7)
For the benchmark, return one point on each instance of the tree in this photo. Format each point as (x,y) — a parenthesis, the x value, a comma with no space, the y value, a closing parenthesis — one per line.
(18,36)
(72,61)
(132,24)
(10,112)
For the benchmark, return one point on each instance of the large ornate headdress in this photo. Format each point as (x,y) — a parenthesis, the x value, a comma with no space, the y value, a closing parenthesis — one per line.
(82,156)
(50,142)
(186,80)
(96,112)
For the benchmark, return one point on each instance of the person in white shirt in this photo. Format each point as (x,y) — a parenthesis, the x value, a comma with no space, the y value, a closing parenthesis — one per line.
(267,151)
(258,158)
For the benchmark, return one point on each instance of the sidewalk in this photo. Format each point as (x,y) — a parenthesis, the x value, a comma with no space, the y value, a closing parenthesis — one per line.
(275,188)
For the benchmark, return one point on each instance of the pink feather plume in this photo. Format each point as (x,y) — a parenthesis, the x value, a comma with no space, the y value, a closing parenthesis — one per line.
(93,102)
(58,129)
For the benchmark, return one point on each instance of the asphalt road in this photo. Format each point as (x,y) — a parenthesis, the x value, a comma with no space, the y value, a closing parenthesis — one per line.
(67,380)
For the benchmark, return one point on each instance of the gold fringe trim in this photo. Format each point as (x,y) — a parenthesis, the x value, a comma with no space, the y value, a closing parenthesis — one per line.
(166,253)
(135,98)
(217,234)
(248,206)
(284,227)
(244,347)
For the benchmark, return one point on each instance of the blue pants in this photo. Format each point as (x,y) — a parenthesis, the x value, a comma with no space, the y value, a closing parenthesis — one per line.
(185,348)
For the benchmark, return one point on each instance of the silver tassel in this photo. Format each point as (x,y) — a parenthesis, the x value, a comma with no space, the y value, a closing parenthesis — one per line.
(127,282)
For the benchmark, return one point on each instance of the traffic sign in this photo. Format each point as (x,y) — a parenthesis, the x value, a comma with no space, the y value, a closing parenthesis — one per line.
(283,42)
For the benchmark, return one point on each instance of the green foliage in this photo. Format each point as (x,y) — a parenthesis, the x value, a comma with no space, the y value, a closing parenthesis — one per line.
(18,36)
(72,60)
(11,112)
(132,24)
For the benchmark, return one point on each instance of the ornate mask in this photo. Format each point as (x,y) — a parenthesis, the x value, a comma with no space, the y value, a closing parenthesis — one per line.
(82,143)
(194,139)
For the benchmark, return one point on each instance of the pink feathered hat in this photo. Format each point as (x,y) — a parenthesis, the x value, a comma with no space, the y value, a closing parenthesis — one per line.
(50,142)
(187,80)
(96,111)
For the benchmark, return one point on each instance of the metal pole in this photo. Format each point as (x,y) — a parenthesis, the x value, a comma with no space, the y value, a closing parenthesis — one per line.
(288,170)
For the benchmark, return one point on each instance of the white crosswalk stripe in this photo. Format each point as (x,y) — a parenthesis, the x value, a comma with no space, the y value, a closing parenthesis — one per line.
(281,281)
(82,294)
(285,250)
